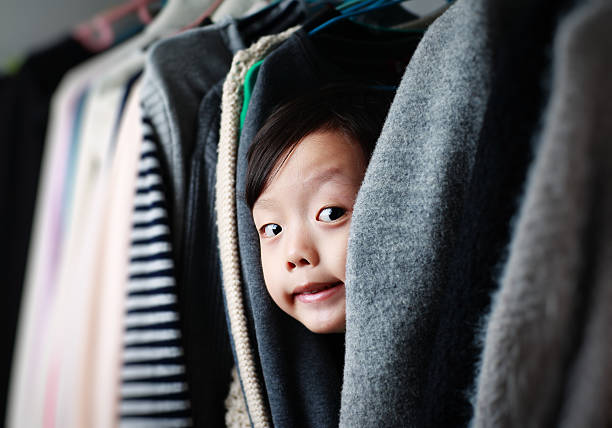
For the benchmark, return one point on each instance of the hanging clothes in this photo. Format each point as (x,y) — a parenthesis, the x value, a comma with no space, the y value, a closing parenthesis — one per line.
(65,210)
(476,277)
(34,365)
(458,166)
(547,356)
(25,100)
(188,153)
(100,404)
(207,345)
(406,219)
(154,390)
(493,190)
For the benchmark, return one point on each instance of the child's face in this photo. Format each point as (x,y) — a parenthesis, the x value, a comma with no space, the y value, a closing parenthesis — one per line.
(303,218)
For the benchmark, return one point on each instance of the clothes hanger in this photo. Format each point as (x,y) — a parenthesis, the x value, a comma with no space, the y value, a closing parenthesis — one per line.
(355,10)
(348,4)
(355,5)
(113,26)
(175,16)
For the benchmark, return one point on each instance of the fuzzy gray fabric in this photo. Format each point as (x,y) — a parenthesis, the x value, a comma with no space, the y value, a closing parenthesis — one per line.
(548,357)
(588,69)
(406,215)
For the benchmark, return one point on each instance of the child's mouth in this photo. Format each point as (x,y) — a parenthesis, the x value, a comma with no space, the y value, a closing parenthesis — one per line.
(316,293)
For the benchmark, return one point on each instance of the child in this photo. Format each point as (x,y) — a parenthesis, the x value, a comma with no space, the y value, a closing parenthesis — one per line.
(305,168)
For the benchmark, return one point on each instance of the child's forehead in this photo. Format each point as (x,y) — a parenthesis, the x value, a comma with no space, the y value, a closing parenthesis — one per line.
(328,146)
(319,158)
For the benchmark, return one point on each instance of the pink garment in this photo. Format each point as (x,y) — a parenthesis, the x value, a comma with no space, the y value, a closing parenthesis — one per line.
(30,398)
(106,325)
(76,281)
(28,389)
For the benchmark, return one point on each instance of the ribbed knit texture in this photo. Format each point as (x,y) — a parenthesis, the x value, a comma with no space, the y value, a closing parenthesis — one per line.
(547,358)
(237,415)
(154,390)
(231,106)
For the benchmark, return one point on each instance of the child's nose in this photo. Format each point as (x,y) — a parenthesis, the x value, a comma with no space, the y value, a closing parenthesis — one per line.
(301,253)
(292,264)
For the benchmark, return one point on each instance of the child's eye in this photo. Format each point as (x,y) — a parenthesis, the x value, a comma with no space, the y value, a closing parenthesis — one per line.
(271,229)
(330,214)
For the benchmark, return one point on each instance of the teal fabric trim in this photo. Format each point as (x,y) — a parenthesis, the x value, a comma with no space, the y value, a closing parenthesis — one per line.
(249,84)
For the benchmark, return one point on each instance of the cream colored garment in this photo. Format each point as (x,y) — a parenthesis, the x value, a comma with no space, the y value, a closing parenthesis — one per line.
(76,283)
(110,273)
(225,205)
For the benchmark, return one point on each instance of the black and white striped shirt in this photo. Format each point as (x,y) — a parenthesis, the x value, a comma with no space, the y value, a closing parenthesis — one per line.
(154,390)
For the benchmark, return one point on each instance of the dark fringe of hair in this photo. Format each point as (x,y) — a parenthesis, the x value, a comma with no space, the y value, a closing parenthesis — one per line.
(357,111)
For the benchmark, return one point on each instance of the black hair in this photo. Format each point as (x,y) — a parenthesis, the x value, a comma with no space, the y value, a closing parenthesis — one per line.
(354,110)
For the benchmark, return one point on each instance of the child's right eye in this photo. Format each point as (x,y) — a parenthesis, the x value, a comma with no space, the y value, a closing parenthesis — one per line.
(270,230)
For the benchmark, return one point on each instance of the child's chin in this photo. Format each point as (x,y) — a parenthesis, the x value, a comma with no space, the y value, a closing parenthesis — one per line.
(327,328)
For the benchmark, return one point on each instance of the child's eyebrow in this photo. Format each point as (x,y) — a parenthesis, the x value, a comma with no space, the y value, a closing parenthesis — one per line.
(265,203)
(331,174)
(328,174)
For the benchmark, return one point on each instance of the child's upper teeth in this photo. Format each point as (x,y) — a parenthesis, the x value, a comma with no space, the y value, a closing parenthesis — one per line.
(325,287)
